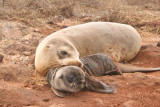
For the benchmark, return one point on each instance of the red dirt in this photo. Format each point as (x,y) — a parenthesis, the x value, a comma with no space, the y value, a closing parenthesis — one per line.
(17,88)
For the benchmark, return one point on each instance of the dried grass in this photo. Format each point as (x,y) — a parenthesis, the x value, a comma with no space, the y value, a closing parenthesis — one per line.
(144,3)
(36,12)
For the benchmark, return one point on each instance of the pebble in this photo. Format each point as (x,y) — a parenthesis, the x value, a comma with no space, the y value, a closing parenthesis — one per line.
(45,99)
(58,105)
(158,44)
(27,53)
(99,101)
(129,103)
(158,90)
(86,19)
(1,57)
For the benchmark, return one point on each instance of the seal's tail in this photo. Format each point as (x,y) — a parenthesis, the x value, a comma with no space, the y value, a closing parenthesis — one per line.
(126,68)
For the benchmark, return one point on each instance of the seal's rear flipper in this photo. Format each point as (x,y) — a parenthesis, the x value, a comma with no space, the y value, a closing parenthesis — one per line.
(58,93)
(127,68)
(98,86)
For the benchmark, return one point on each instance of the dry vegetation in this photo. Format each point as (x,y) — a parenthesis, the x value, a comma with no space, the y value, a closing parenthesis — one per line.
(36,12)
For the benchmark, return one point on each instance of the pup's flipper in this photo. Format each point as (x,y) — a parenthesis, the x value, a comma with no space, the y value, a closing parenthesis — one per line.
(58,93)
(98,86)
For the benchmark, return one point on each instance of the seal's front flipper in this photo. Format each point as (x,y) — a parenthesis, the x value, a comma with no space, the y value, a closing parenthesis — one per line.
(98,86)
(58,93)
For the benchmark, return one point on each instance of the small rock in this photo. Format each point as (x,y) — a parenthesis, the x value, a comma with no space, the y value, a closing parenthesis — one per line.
(26,60)
(158,90)
(129,103)
(58,18)
(36,30)
(25,84)
(158,44)
(34,42)
(31,66)
(86,19)
(33,87)
(58,105)
(11,30)
(2,36)
(45,99)
(50,22)
(11,53)
(27,53)
(29,105)
(29,36)
(99,101)
(157,83)
(1,57)
(63,26)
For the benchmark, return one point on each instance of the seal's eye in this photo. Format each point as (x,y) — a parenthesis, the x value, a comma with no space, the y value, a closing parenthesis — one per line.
(64,53)
(61,77)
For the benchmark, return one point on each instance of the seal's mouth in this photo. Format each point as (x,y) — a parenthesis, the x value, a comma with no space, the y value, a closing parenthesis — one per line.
(76,88)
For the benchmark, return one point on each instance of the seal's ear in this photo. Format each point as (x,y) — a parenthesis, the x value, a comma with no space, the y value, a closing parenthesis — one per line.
(51,73)
(57,92)
(97,86)
(49,77)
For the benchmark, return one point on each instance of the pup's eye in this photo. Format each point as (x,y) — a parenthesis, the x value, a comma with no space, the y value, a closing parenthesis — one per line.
(61,77)
(64,53)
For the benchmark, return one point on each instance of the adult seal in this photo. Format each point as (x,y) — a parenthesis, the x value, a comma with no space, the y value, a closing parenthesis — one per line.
(121,42)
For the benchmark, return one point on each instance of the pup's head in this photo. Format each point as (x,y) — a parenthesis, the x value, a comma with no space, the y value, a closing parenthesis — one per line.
(68,78)
(73,79)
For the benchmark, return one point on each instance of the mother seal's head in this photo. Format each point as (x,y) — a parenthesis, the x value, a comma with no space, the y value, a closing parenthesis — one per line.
(58,52)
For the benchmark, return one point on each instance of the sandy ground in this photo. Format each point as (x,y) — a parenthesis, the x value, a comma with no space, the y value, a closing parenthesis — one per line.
(18,88)
(24,23)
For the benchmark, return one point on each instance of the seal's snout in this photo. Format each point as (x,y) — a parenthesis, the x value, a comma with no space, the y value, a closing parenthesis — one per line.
(78,81)
(81,82)
(73,63)
(80,64)
(71,78)
(77,63)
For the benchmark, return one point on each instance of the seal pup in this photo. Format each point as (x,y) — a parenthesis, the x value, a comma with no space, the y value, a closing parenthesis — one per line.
(94,65)
(66,79)
(73,79)
(120,42)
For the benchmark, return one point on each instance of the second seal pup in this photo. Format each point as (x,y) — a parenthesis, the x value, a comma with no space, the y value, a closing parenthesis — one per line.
(121,42)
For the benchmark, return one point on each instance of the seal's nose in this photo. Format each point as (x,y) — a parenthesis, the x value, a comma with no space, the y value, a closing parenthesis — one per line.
(71,78)
(80,64)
